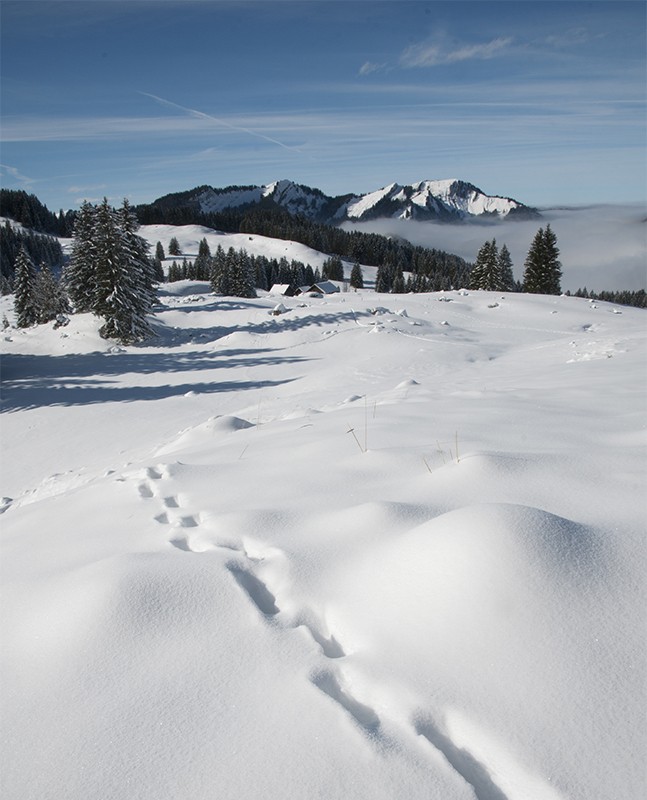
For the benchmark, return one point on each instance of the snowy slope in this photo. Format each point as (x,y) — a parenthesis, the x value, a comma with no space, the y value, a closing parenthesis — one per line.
(190,236)
(377,546)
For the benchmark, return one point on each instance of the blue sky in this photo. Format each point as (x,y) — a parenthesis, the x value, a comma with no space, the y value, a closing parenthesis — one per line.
(540,101)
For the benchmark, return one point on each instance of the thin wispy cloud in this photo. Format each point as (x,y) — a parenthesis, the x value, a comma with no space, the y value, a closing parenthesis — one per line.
(369,67)
(201,115)
(16,174)
(440,51)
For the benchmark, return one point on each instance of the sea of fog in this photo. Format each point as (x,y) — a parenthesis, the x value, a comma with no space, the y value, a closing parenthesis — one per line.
(601,247)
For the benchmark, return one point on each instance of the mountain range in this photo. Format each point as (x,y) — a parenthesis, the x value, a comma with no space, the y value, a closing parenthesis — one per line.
(448,200)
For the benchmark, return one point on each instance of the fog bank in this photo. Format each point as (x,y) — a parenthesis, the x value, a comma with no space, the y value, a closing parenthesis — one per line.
(601,247)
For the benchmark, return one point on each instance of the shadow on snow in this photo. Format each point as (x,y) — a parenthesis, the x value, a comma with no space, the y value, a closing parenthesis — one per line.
(33,381)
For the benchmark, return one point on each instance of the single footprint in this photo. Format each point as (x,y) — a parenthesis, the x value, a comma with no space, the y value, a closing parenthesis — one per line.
(329,645)
(188,521)
(171,502)
(256,590)
(363,715)
(182,543)
(145,490)
(5,502)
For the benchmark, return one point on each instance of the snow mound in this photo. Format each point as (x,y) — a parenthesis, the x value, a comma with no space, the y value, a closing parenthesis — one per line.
(214,426)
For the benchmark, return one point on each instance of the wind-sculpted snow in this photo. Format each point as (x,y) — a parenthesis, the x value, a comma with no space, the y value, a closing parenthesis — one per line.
(375,546)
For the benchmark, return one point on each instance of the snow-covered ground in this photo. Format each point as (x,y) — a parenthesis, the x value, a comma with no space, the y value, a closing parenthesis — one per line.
(373,547)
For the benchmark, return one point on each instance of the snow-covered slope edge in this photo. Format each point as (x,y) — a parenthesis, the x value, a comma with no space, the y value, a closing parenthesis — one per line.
(375,546)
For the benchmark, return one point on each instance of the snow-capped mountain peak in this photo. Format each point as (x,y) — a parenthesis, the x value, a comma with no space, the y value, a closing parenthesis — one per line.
(448,199)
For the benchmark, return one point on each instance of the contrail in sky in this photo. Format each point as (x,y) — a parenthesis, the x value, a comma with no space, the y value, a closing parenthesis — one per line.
(202,115)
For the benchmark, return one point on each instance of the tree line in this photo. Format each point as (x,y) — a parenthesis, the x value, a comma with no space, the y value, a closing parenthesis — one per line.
(371,249)
(31,213)
(41,248)
(239,274)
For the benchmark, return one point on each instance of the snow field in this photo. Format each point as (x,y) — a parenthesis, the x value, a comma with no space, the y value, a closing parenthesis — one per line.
(348,551)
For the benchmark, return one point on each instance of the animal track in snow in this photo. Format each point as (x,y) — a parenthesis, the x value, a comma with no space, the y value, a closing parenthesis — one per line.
(145,490)
(171,502)
(257,591)
(469,768)
(182,543)
(363,715)
(188,521)
(328,644)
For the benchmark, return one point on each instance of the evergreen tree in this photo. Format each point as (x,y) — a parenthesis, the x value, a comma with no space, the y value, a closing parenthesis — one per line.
(124,290)
(173,272)
(202,264)
(159,251)
(356,276)
(383,279)
(398,286)
(241,278)
(486,273)
(25,300)
(543,270)
(6,285)
(333,269)
(51,299)
(174,247)
(79,274)
(505,270)
(203,249)
(552,263)
(135,254)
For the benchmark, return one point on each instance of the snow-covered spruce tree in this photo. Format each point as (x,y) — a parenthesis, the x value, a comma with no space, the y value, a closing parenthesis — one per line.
(552,263)
(51,299)
(487,271)
(174,247)
(79,275)
(543,270)
(220,268)
(505,270)
(357,276)
(124,290)
(135,253)
(241,276)
(202,264)
(25,300)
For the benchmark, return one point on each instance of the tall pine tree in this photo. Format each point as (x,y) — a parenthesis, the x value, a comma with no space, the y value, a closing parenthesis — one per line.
(543,270)
(505,270)
(25,299)
(487,269)
(79,274)
(51,298)
(356,276)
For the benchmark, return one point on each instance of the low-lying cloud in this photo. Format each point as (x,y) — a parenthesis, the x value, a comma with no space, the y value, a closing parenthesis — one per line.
(601,247)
